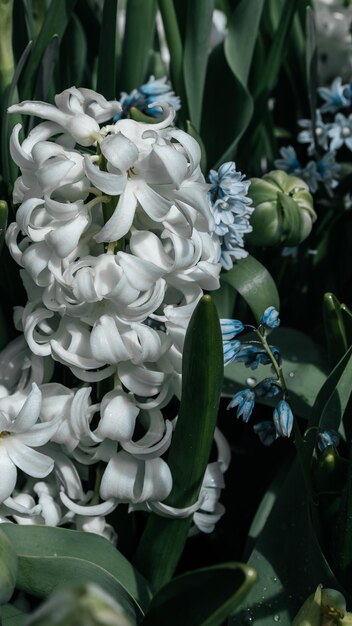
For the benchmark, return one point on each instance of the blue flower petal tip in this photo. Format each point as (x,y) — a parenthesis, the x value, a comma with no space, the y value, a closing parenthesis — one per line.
(244,400)
(266,432)
(327,438)
(270,318)
(283,419)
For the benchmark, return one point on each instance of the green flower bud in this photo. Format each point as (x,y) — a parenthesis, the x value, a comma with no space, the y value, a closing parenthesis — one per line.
(283,210)
(325,607)
(86,605)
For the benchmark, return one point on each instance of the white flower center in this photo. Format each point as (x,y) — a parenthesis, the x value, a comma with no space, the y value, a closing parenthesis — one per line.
(346,131)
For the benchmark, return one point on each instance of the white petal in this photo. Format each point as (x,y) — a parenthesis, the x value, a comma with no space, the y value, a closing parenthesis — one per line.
(112,184)
(149,452)
(119,151)
(65,239)
(29,413)
(8,473)
(39,434)
(29,461)
(118,417)
(157,481)
(106,342)
(139,380)
(121,220)
(104,508)
(140,273)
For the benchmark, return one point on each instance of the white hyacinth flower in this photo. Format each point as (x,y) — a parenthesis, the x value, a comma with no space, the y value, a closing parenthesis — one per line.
(19,434)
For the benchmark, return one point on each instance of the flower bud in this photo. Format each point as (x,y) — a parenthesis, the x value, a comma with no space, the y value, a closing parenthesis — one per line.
(283,210)
(326,607)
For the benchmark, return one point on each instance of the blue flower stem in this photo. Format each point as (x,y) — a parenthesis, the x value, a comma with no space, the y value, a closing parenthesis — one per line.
(299,442)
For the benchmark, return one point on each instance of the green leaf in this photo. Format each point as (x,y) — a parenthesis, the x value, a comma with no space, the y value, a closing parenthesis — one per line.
(106,82)
(174,42)
(311,64)
(49,557)
(8,568)
(11,616)
(195,58)
(288,561)
(241,37)
(254,283)
(227,99)
(334,327)
(138,39)
(332,414)
(227,109)
(55,23)
(202,373)
(225,299)
(204,597)
(73,54)
(277,50)
(304,365)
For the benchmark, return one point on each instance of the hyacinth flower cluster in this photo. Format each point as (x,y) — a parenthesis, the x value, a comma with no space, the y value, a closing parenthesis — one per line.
(252,354)
(231,208)
(325,137)
(116,243)
(145,97)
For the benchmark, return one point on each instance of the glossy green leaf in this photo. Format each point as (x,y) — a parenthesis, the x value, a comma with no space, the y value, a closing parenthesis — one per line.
(342,533)
(8,568)
(195,57)
(202,373)
(225,299)
(55,23)
(227,99)
(138,39)
(334,326)
(73,54)
(334,409)
(311,64)
(288,560)
(304,365)
(106,81)
(277,50)
(49,557)
(254,283)
(11,616)
(204,597)
(241,37)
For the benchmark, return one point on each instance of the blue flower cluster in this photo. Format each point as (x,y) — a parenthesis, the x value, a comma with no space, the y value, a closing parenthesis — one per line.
(331,131)
(232,209)
(253,354)
(145,97)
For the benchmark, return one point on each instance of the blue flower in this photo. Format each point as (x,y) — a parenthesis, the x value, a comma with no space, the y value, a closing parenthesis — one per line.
(145,96)
(231,209)
(327,438)
(321,133)
(311,176)
(254,355)
(230,328)
(341,132)
(337,97)
(270,318)
(231,348)
(289,162)
(266,432)
(328,169)
(267,388)
(244,400)
(283,419)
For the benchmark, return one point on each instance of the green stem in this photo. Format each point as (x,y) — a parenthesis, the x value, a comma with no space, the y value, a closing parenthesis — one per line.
(276,366)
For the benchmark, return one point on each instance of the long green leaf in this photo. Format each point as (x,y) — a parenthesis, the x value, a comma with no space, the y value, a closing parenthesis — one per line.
(106,81)
(8,568)
(49,557)
(55,23)
(334,326)
(311,64)
(254,283)
(138,38)
(203,597)
(276,54)
(195,59)
(242,36)
(11,616)
(202,372)
(229,88)
(73,54)
(288,560)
